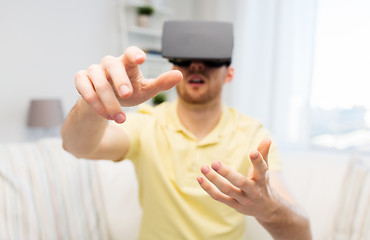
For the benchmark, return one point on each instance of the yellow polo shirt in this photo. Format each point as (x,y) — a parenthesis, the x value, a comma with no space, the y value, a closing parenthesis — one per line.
(167,160)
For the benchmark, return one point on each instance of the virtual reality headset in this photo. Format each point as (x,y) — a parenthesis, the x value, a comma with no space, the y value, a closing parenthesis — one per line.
(208,41)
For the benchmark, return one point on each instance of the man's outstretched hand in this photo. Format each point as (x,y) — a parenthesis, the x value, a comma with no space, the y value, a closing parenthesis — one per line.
(118,81)
(251,194)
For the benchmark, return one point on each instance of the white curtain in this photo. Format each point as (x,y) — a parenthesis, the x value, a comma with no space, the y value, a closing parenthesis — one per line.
(273,54)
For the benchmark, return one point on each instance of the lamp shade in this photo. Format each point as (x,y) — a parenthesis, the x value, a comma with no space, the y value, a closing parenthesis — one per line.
(45,113)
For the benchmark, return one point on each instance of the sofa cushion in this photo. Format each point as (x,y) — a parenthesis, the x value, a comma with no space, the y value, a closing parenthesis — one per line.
(121,201)
(46,193)
(353,212)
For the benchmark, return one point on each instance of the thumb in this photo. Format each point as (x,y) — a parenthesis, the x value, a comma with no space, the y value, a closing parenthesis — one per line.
(264,148)
(164,82)
(250,171)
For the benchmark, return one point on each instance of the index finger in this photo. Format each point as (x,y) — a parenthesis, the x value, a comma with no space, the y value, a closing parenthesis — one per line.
(116,73)
(236,178)
(131,59)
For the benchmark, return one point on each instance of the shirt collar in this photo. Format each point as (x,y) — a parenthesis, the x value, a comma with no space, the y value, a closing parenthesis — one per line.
(224,126)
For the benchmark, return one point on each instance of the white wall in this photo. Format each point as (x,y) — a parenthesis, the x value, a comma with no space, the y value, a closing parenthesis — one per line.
(43,44)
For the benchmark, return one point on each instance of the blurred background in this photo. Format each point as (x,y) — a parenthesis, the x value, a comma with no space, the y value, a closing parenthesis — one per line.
(302,67)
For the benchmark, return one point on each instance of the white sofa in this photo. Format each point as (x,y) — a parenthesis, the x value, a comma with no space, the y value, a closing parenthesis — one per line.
(46,193)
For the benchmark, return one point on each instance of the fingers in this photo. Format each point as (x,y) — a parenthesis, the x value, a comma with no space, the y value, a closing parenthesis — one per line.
(220,182)
(102,85)
(216,194)
(117,81)
(234,177)
(259,166)
(116,73)
(132,58)
(87,91)
(95,89)
(230,183)
(105,92)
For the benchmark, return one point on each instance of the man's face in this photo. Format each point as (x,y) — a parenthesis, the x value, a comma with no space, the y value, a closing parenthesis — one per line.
(202,83)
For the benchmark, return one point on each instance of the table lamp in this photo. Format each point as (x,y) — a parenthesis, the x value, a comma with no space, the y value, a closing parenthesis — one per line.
(45,113)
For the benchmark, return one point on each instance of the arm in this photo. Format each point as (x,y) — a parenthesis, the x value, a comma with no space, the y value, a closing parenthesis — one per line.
(86,134)
(104,89)
(271,204)
(288,221)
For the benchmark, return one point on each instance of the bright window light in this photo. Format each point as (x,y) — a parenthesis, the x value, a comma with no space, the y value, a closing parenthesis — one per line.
(340,95)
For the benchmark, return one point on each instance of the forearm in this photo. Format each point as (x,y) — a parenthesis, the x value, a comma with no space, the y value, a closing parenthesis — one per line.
(82,130)
(286,221)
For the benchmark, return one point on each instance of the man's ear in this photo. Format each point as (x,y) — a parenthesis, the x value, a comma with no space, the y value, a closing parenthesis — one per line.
(229,74)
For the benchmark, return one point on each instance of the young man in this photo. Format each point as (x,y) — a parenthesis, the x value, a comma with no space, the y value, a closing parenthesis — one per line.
(201,166)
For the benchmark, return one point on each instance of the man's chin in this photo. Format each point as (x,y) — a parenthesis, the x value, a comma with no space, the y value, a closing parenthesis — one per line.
(195,100)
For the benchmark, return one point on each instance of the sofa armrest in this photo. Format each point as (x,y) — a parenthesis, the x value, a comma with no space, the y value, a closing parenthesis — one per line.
(315,179)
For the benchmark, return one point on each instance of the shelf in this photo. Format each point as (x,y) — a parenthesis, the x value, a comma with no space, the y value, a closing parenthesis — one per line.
(147,37)
(157,8)
(156,58)
(146,31)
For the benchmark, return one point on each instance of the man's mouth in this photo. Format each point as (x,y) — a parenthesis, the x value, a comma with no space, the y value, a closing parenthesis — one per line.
(196,80)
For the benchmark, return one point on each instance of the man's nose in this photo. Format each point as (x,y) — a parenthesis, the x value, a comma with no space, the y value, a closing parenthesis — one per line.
(196,66)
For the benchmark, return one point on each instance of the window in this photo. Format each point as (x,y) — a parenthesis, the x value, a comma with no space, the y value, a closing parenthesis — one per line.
(340,94)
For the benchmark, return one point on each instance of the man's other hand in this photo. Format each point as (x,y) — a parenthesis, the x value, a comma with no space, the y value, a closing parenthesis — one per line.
(118,81)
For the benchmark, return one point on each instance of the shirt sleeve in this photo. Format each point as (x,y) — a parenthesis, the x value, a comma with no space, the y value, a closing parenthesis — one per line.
(134,127)
(131,127)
